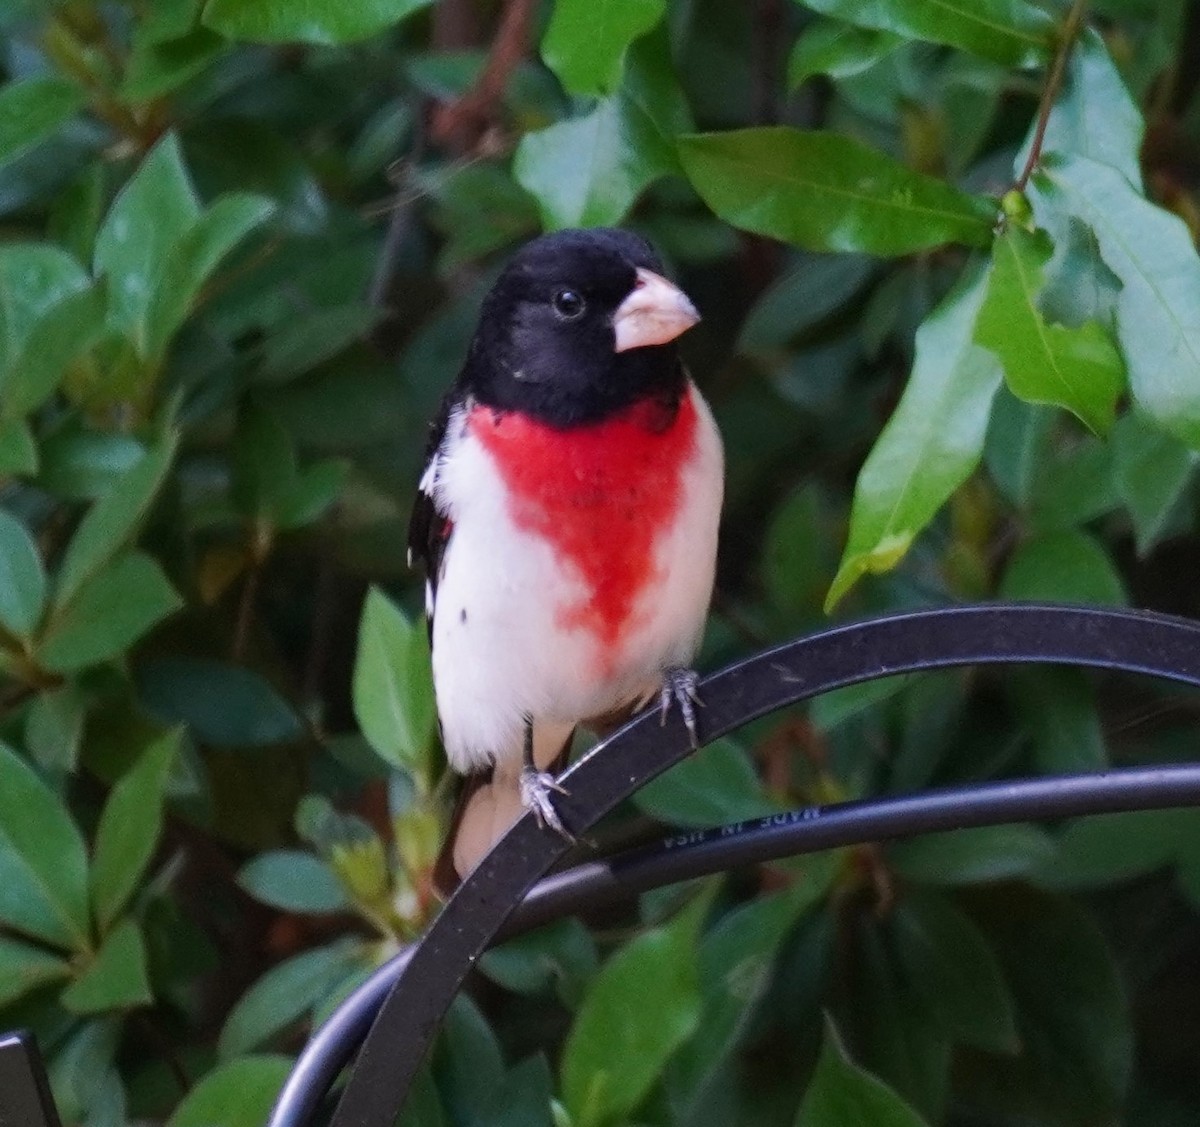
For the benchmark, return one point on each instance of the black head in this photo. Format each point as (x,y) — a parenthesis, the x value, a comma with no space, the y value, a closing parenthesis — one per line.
(578,325)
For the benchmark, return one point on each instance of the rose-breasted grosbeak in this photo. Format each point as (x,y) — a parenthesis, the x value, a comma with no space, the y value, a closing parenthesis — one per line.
(567,520)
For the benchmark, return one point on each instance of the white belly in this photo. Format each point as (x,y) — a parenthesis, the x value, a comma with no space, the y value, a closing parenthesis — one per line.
(501,651)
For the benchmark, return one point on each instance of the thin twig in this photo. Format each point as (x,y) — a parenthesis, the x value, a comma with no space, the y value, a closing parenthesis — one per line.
(1066,42)
(465,122)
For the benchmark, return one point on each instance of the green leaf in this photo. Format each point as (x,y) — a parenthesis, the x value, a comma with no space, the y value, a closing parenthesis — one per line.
(838,50)
(158,66)
(222,705)
(973,856)
(43,863)
(54,729)
(737,958)
(841,1094)
(24,968)
(1073,1017)
(1058,708)
(82,464)
(116,978)
(22,578)
(562,953)
(1067,566)
(114,609)
(34,278)
(824,191)
(238,1093)
(930,445)
(588,171)
(32,109)
(953,972)
(643,1005)
(1153,470)
(316,488)
(112,521)
(293,881)
(60,335)
(193,259)
(717,784)
(323,22)
(1095,116)
(393,686)
(1079,368)
(1007,31)
(152,212)
(129,829)
(586,41)
(1158,307)
(18,452)
(284,994)
(1106,849)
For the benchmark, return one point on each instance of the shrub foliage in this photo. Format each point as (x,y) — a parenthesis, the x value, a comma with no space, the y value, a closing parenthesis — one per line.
(946,259)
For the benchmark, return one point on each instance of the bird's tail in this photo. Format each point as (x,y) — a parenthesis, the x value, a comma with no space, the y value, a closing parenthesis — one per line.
(489,802)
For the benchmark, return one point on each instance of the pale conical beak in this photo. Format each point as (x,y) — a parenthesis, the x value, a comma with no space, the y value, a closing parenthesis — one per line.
(654,313)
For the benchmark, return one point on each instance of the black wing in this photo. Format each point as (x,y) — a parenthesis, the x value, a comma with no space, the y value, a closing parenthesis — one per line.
(428,528)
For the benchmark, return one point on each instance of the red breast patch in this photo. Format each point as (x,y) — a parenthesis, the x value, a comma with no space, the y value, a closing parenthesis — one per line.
(601,495)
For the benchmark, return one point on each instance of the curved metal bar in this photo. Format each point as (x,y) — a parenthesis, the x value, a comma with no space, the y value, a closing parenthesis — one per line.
(409,1017)
(699,853)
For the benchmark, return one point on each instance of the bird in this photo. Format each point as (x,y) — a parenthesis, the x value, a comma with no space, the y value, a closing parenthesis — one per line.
(567,522)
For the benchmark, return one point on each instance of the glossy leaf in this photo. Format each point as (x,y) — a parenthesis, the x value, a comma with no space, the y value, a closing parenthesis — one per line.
(322,22)
(194,258)
(60,335)
(954,973)
(841,1094)
(293,881)
(1067,566)
(238,1093)
(717,784)
(222,705)
(838,50)
(826,192)
(110,523)
(1058,708)
(118,606)
(283,995)
(129,828)
(32,109)
(586,40)
(117,978)
(644,1004)
(1008,31)
(43,864)
(930,445)
(54,729)
(393,688)
(1073,1017)
(1095,116)
(971,856)
(1158,307)
(1077,368)
(588,171)
(1153,470)
(22,578)
(18,454)
(34,278)
(736,965)
(24,968)
(147,219)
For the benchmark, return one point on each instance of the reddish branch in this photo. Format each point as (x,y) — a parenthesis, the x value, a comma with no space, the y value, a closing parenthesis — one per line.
(1066,41)
(465,122)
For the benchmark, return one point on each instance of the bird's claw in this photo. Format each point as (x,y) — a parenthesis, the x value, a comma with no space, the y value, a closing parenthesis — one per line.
(679,688)
(535,795)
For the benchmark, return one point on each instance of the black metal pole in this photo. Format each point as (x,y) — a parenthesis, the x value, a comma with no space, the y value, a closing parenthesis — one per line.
(408,1018)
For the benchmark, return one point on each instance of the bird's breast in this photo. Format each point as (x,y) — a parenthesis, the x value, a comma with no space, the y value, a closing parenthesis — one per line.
(602,496)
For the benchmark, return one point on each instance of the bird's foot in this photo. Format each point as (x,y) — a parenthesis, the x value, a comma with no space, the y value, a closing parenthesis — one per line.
(535,795)
(679,688)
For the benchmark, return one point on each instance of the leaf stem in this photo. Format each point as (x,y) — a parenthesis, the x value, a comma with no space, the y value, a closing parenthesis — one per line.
(1066,41)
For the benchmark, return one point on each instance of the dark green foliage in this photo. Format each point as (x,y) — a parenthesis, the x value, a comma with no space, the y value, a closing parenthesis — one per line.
(952,337)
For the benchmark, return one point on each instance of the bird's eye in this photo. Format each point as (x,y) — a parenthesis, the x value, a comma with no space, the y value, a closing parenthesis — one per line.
(568,304)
